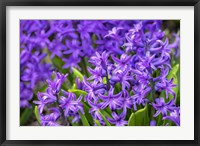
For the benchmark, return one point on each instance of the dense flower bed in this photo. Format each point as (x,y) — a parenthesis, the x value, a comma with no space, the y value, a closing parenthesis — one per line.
(99,72)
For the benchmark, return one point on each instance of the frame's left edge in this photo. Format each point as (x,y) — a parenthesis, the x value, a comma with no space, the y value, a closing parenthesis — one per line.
(3,72)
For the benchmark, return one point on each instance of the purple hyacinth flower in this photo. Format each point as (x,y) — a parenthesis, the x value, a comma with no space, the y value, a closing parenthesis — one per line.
(74,48)
(153,123)
(166,86)
(26,95)
(127,101)
(163,74)
(94,110)
(111,100)
(93,89)
(114,33)
(100,60)
(50,120)
(70,104)
(122,76)
(123,62)
(97,74)
(174,116)
(118,120)
(142,77)
(140,96)
(44,99)
(146,62)
(161,107)
(55,85)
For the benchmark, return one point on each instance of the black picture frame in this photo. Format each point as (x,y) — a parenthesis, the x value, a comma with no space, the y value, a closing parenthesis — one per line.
(5,3)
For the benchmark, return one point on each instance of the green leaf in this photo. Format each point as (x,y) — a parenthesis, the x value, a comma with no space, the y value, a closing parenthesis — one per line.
(77,92)
(97,122)
(132,120)
(159,120)
(87,114)
(139,118)
(37,115)
(25,116)
(58,63)
(77,73)
(104,118)
(83,119)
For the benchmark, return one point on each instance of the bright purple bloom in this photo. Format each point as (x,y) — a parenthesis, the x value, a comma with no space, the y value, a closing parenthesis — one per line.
(44,99)
(118,120)
(122,76)
(174,116)
(93,89)
(166,86)
(55,85)
(51,119)
(161,107)
(111,100)
(70,104)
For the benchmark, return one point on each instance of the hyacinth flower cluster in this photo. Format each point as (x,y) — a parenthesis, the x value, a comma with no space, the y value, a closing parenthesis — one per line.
(42,42)
(118,73)
(61,105)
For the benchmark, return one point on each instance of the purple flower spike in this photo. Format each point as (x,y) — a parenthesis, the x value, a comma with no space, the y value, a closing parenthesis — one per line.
(123,62)
(100,60)
(111,100)
(118,120)
(50,120)
(122,76)
(44,99)
(174,116)
(55,85)
(93,89)
(166,86)
(69,103)
(97,74)
(162,107)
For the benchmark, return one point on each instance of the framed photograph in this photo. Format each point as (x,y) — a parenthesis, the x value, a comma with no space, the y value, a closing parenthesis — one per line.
(99,72)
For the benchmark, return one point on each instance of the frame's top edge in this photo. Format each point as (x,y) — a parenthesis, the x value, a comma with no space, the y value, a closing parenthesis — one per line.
(100,2)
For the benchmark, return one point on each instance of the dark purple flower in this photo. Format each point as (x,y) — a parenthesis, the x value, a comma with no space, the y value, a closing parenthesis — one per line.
(166,86)
(174,116)
(161,107)
(44,99)
(100,60)
(26,95)
(127,101)
(146,62)
(55,85)
(111,100)
(114,33)
(118,120)
(70,104)
(94,110)
(139,96)
(93,89)
(123,62)
(50,120)
(122,76)
(97,74)
(153,123)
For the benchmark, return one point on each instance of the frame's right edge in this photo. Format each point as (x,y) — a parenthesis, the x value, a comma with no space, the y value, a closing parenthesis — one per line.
(196,71)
